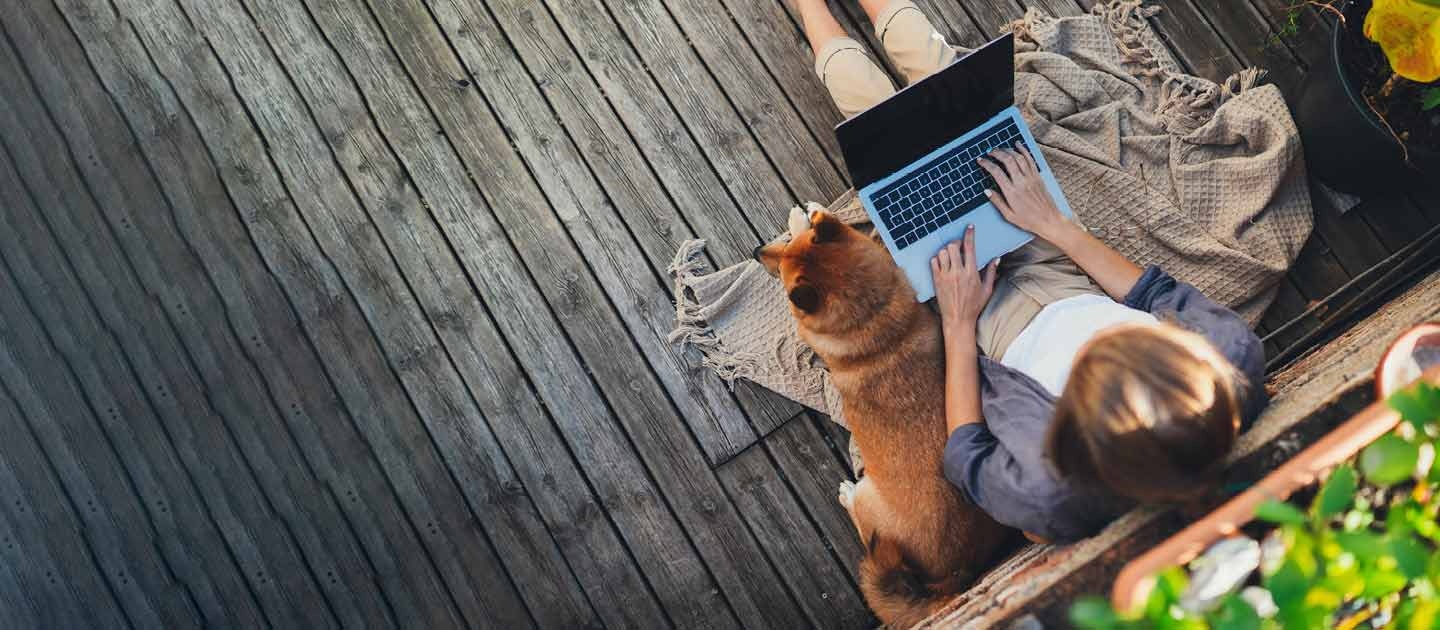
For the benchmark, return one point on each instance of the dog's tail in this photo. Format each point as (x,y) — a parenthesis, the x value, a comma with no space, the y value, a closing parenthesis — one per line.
(897,590)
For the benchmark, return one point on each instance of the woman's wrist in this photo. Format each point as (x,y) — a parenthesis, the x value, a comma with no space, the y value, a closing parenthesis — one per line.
(1063,234)
(959,330)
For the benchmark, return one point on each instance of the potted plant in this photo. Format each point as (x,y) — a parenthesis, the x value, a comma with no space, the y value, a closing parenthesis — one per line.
(1369,115)
(1357,545)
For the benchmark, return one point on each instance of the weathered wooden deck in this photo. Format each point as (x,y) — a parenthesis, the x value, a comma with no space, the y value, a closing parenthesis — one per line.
(353,312)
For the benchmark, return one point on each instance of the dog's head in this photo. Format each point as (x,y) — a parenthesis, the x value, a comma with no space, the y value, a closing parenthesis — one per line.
(837,277)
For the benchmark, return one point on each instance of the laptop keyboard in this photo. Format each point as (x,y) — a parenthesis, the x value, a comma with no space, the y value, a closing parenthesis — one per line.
(942,191)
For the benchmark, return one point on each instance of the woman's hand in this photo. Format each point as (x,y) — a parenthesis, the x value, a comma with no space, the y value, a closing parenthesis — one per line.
(961,290)
(1023,198)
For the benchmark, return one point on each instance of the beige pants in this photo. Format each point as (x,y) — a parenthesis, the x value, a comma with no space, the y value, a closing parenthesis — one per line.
(1031,277)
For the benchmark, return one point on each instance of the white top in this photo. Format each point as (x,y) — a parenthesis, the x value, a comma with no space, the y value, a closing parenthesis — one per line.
(1046,348)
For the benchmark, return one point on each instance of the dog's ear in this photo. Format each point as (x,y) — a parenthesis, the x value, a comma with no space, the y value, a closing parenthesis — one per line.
(769,256)
(805,298)
(827,227)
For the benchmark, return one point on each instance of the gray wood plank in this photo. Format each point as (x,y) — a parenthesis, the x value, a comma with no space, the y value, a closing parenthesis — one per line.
(168,268)
(1054,8)
(823,590)
(629,220)
(650,45)
(634,144)
(457,538)
(808,165)
(521,214)
(261,542)
(815,472)
(481,351)
(201,203)
(48,578)
(34,377)
(782,48)
(990,16)
(541,155)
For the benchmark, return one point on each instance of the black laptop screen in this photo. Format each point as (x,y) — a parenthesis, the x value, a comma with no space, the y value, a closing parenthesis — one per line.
(930,113)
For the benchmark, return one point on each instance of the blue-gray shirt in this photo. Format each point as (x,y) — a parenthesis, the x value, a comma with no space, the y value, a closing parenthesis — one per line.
(1000,465)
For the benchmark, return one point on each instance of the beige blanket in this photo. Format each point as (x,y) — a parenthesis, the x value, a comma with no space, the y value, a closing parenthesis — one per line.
(1206,180)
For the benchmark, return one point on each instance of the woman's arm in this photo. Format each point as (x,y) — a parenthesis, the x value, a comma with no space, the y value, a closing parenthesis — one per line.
(1024,201)
(961,293)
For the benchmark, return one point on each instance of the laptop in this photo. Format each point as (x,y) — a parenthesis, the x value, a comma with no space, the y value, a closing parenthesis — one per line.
(913,159)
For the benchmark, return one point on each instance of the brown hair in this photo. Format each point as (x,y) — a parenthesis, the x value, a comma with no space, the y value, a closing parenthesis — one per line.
(1148,411)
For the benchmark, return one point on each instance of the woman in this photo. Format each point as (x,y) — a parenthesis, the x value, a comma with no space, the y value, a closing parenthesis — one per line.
(1077,383)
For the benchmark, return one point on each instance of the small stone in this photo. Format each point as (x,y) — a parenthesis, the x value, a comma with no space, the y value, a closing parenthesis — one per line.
(1221,570)
(1260,600)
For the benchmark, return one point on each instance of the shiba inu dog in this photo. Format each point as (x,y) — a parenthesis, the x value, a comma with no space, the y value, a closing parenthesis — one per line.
(885,355)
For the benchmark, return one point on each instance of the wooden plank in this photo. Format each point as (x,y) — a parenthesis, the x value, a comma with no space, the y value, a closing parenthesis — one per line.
(629,33)
(522,215)
(808,165)
(204,211)
(1355,246)
(823,591)
(459,548)
(35,379)
(1249,36)
(629,218)
(783,49)
(988,16)
(816,473)
(48,578)
(168,268)
(1055,8)
(402,123)
(262,544)
(541,156)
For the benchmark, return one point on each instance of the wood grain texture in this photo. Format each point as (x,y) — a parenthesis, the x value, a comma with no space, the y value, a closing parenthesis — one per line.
(355,312)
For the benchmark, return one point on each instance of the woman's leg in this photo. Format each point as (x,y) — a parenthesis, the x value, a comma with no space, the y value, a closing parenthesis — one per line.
(854,80)
(912,43)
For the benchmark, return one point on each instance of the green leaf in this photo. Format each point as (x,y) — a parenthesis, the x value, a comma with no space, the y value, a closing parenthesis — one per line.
(1169,584)
(1235,614)
(1337,493)
(1389,460)
(1273,511)
(1382,582)
(1092,612)
(1367,546)
(1411,556)
(1288,585)
(1419,404)
(1430,98)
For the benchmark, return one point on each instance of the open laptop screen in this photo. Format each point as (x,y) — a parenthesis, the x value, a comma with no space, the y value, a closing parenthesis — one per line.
(929,113)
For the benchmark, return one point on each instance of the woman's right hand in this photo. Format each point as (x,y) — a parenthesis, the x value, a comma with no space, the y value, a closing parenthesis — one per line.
(961,288)
(1023,198)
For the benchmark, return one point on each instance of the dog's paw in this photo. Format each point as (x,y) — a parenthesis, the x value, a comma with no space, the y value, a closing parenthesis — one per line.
(847,494)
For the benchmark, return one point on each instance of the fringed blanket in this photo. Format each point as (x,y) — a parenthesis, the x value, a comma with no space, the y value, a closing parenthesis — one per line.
(1204,179)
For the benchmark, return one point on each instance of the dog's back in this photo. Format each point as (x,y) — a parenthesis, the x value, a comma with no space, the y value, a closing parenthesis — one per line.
(885,354)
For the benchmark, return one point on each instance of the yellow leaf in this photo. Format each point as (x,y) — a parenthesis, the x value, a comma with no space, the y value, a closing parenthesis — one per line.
(1409,33)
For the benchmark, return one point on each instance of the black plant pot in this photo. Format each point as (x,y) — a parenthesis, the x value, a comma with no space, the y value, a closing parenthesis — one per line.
(1346,145)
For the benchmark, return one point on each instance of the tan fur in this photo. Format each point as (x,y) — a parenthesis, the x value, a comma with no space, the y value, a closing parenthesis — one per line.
(884,352)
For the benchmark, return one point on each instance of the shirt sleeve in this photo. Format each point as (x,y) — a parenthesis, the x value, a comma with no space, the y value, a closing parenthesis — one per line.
(1160,294)
(989,476)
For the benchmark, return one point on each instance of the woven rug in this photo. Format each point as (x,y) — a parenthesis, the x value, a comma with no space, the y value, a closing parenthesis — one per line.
(1206,180)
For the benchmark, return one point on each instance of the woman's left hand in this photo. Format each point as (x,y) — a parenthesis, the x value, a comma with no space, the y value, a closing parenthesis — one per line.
(961,289)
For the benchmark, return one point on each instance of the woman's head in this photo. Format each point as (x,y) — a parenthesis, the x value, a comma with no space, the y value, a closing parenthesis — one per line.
(1148,411)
